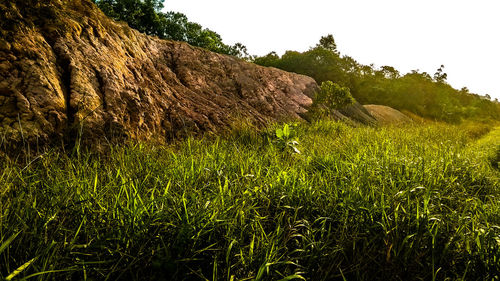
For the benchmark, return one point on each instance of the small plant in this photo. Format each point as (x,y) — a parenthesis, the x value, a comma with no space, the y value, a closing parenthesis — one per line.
(286,138)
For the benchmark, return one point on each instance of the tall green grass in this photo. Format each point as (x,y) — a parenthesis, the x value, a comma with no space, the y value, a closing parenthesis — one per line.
(419,202)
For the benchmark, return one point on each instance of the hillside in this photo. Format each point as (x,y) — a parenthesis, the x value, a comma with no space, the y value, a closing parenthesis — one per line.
(67,69)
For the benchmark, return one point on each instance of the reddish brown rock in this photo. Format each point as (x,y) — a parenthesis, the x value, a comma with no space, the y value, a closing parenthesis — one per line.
(66,68)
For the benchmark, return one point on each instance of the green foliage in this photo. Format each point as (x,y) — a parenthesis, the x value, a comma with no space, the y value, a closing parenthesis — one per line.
(440,76)
(333,96)
(286,138)
(330,96)
(178,27)
(416,92)
(146,16)
(143,15)
(328,42)
(270,59)
(407,203)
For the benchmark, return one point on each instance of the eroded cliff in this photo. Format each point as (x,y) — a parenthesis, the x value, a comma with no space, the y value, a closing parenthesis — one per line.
(68,70)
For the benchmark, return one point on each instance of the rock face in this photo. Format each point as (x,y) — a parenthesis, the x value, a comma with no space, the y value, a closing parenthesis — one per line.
(65,68)
(358,113)
(387,115)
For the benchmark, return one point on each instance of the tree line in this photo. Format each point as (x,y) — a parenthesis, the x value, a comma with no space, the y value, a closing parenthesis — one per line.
(146,16)
(418,92)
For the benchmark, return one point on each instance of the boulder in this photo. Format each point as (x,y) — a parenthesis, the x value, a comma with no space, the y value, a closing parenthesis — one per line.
(387,115)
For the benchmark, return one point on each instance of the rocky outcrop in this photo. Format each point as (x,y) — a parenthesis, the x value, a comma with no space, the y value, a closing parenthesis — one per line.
(387,115)
(358,113)
(68,70)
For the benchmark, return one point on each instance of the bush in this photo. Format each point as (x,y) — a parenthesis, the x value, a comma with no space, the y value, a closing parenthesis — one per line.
(331,96)
(334,96)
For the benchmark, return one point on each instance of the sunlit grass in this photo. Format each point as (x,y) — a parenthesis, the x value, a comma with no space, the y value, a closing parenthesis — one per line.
(391,203)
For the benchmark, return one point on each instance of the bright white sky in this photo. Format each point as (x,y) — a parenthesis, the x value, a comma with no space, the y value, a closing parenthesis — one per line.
(463,35)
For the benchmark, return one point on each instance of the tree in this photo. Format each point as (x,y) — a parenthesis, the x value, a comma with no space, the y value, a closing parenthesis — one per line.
(141,15)
(146,16)
(328,42)
(388,72)
(241,51)
(270,59)
(440,76)
(418,92)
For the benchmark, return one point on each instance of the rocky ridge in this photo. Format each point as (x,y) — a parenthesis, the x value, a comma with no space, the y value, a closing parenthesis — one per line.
(67,70)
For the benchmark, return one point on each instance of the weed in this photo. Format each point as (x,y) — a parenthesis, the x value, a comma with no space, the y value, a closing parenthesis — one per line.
(286,138)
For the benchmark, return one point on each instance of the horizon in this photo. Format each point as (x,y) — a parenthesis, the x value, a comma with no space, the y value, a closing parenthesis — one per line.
(408,36)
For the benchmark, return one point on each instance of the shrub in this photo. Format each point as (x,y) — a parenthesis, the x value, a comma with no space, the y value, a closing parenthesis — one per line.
(330,96)
(334,96)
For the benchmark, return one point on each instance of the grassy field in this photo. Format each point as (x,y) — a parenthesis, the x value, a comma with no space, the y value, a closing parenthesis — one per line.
(419,202)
